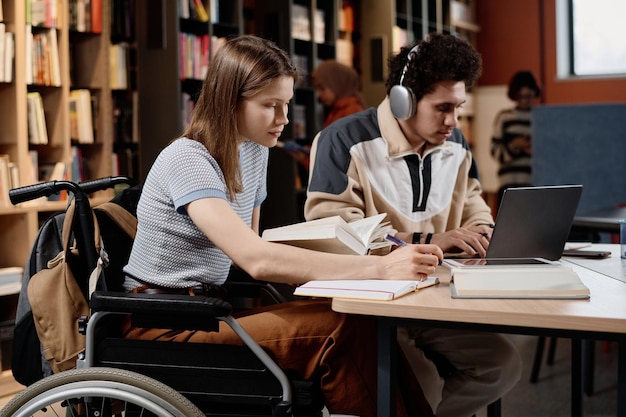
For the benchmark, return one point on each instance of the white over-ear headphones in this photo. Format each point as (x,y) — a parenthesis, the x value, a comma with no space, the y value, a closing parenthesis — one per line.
(401,98)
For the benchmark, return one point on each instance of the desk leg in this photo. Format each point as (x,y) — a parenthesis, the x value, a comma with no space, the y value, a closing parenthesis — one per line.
(589,350)
(621,377)
(387,361)
(577,378)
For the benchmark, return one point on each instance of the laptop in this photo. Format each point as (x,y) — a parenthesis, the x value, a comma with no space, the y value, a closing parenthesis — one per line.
(533,222)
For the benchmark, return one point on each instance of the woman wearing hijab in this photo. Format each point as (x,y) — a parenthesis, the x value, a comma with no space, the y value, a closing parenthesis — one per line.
(338,89)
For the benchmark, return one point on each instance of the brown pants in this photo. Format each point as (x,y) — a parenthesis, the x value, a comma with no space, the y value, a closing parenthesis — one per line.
(307,337)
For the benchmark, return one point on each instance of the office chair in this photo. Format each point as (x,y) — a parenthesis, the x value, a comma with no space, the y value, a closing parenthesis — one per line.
(588,361)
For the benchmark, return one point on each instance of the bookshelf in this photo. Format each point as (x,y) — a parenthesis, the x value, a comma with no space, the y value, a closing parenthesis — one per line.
(176,40)
(124,94)
(76,44)
(392,24)
(167,95)
(310,31)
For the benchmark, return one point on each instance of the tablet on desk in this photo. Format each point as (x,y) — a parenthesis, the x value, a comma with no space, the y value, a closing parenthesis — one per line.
(592,254)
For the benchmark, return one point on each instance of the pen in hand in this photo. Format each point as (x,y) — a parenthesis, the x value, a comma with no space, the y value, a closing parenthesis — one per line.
(400,242)
(395,240)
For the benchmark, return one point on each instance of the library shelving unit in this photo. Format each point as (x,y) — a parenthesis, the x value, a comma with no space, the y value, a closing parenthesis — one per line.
(78,59)
(170,67)
(392,24)
(309,31)
(306,29)
(123,83)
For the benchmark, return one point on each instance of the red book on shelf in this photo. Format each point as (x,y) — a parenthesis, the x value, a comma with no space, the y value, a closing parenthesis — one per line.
(96,16)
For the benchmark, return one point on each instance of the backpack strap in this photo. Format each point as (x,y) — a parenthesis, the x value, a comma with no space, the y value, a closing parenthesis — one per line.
(66,232)
(122,217)
(68,222)
(67,245)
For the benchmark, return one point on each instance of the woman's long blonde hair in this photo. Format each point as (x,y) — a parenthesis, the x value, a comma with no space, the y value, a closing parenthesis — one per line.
(241,68)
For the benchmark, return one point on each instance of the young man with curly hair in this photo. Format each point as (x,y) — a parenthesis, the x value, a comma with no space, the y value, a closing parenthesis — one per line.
(407,158)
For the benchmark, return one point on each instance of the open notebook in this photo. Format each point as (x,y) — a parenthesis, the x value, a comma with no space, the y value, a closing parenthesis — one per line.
(367,289)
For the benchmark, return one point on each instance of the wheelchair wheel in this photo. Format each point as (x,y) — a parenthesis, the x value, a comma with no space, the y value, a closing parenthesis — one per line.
(99,392)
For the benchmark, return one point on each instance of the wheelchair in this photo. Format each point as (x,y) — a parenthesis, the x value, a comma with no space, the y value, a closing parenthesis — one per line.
(126,378)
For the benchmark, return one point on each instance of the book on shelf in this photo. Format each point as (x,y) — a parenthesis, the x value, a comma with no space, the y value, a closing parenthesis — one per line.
(52,171)
(183,9)
(9,178)
(11,280)
(85,15)
(344,51)
(300,22)
(200,11)
(81,116)
(78,165)
(335,235)
(33,166)
(299,121)
(37,131)
(5,180)
(8,55)
(2,47)
(14,174)
(194,55)
(38,12)
(302,66)
(517,281)
(96,16)
(45,60)
(399,38)
(28,42)
(11,274)
(319,26)
(117,66)
(346,18)
(214,11)
(122,20)
(368,289)
(53,58)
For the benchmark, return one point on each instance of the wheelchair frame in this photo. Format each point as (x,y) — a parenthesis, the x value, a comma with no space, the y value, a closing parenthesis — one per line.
(97,391)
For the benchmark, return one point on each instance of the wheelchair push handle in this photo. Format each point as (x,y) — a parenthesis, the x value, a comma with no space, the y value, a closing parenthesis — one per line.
(100,184)
(43,189)
(46,189)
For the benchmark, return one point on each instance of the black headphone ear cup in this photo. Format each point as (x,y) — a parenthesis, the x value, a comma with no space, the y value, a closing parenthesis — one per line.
(402,101)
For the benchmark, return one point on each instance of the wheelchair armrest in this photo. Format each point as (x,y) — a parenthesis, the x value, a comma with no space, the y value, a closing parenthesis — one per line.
(160,304)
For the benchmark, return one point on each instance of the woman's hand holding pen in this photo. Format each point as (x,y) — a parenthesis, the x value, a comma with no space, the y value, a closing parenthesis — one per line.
(422,260)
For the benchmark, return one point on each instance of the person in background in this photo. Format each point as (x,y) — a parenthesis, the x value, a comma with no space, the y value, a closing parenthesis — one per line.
(199,213)
(407,158)
(511,142)
(338,88)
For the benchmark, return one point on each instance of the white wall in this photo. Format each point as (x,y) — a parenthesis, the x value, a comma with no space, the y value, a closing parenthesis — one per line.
(488,101)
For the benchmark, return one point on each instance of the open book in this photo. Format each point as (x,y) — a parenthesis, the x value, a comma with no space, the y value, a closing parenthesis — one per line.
(549,281)
(370,289)
(333,234)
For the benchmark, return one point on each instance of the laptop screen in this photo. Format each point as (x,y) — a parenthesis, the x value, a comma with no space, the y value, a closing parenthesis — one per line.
(534,222)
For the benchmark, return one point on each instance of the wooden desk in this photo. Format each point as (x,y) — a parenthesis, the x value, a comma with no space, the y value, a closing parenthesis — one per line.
(602,317)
